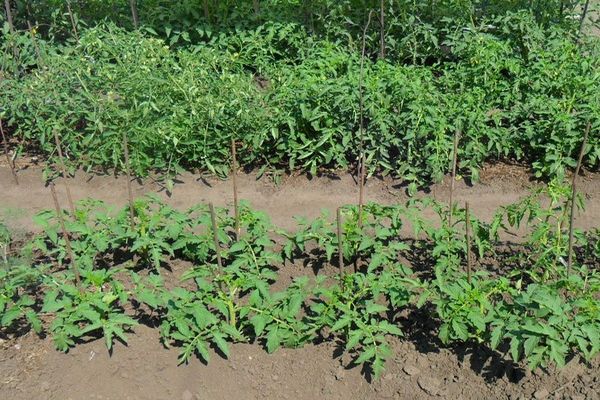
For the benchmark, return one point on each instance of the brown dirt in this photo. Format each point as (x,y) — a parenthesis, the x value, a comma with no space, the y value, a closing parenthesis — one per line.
(30,368)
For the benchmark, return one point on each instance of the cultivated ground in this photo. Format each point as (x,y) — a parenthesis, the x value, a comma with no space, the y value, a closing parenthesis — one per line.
(30,368)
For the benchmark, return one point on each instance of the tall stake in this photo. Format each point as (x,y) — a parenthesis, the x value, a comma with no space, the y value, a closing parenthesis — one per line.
(128,173)
(468,235)
(73,23)
(574,193)
(382,30)
(213,221)
(9,17)
(583,16)
(340,234)
(206,10)
(256,6)
(63,171)
(9,159)
(235,191)
(134,13)
(453,178)
(361,183)
(66,236)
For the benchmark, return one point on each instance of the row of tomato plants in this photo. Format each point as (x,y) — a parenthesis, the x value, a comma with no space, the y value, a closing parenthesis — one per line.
(513,88)
(536,310)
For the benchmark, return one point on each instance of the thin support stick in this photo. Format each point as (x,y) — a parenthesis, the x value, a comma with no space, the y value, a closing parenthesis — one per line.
(64,171)
(453,178)
(72,18)
(9,17)
(128,173)
(256,6)
(134,13)
(206,11)
(9,159)
(574,193)
(382,30)
(362,123)
(583,17)
(66,236)
(340,235)
(235,189)
(213,221)
(35,44)
(468,235)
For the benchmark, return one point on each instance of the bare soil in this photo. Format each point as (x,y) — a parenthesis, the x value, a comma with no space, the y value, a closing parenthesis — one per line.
(421,368)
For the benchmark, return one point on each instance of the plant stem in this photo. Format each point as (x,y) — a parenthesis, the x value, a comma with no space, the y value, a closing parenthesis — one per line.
(9,159)
(72,18)
(468,235)
(63,171)
(574,193)
(235,189)
(453,177)
(66,236)
(213,220)
(340,234)
(128,174)
(134,13)
(361,123)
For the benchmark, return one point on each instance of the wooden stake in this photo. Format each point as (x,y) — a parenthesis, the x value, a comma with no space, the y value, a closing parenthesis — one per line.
(213,220)
(72,18)
(382,30)
(128,173)
(235,191)
(63,171)
(574,193)
(583,16)
(340,234)
(9,17)
(256,6)
(66,236)
(361,123)
(206,11)
(134,13)
(9,159)
(453,178)
(468,235)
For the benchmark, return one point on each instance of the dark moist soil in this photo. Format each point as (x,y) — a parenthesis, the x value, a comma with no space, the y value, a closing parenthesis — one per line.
(420,368)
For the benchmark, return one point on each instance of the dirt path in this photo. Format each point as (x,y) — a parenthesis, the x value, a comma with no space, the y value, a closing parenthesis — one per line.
(30,368)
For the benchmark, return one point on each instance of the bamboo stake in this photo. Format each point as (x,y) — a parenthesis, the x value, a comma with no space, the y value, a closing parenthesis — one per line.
(361,183)
(63,171)
(574,193)
(256,6)
(468,235)
(235,190)
(72,18)
(213,220)
(9,159)
(453,178)
(128,173)
(66,236)
(134,13)
(382,30)
(35,44)
(340,234)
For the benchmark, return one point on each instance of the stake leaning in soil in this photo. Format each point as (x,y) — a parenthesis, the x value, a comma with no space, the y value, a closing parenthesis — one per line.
(235,192)
(63,171)
(574,193)
(9,159)
(453,178)
(66,236)
(361,183)
(340,234)
(72,18)
(468,235)
(213,220)
(128,173)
